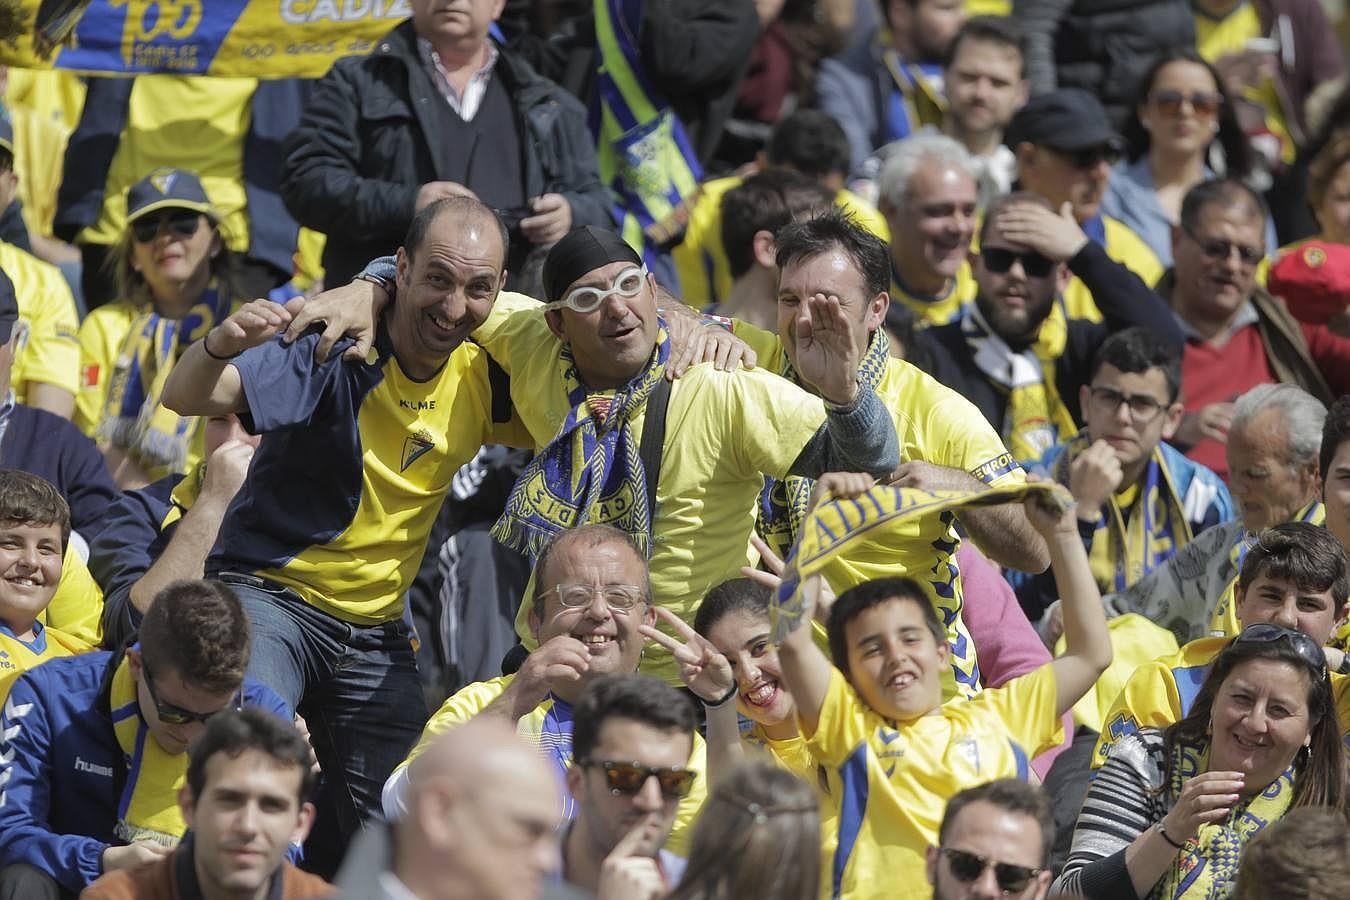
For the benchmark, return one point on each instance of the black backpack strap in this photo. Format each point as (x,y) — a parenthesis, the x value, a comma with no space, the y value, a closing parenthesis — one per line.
(500,383)
(653,441)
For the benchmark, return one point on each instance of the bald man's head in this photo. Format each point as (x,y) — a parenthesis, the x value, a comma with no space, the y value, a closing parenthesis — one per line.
(467,213)
(482,813)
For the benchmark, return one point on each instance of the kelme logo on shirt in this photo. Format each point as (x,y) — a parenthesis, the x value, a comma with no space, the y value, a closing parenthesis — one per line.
(414,446)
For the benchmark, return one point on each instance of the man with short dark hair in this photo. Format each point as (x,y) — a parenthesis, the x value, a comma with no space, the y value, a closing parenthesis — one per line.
(1303,856)
(994,842)
(1065,147)
(323,573)
(631,742)
(1237,334)
(1139,500)
(245,801)
(985,82)
(94,745)
(1011,353)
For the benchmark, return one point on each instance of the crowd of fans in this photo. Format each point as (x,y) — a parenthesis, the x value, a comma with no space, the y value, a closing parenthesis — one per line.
(685,449)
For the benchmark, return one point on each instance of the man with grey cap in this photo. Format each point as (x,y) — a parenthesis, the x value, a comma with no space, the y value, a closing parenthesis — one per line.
(1065,147)
(607,428)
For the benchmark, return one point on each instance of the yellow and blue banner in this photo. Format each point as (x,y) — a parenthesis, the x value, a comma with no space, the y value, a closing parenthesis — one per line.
(223,38)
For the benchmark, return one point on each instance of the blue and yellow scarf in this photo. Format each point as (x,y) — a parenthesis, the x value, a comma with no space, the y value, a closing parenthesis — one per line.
(782,504)
(1206,867)
(590,472)
(1125,550)
(133,419)
(148,808)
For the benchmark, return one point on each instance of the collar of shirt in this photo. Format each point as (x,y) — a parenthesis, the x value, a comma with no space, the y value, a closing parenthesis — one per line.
(394,889)
(465,105)
(1246,315)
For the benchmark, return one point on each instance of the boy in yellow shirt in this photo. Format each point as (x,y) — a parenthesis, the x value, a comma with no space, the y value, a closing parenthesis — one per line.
(34,527)
(877,723)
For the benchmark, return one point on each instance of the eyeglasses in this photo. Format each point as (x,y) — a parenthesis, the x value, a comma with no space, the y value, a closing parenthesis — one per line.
(619,597)
(628,778)
(1304,646)
(1143,408)
(999,260)
(181,222)
(627,283)
(176,715)
(1090,157)
(1205,104)
(1220,249)
(968,866)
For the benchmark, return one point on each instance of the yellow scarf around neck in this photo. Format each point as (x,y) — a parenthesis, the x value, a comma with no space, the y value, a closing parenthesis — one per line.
(148,808)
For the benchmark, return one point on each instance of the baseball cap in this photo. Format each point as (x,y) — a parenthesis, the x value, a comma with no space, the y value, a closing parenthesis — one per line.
(9,307)
(1314,280)
(1065,119)
(166,188)
(580,251)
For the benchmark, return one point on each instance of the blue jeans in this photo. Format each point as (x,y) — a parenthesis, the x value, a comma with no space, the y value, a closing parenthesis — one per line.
(357,688)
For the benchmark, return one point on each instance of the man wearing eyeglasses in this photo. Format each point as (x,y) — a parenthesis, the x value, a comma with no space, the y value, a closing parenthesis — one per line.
(1065,147)
(591,593)
(1237,334)
(1022,366)
(994,842)
(1139,500)
(94,746)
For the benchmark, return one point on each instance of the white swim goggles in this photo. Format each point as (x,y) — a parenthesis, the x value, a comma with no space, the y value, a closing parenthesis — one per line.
(627,283)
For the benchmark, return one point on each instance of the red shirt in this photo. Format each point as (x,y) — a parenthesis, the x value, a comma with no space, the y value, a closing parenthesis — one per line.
(1211,374)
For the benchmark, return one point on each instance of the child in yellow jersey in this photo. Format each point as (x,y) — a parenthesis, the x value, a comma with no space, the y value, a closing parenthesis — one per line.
(1296,576)
(877,723)
(34,528)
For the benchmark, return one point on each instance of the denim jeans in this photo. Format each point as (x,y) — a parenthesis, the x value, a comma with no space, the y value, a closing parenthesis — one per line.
(357,688)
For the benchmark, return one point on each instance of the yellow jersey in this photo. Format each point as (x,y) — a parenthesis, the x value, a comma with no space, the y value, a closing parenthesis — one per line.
(49,348)
(549,727)
(1215,38)
(39,154)
(895,778)
(941,309)
(100,337)
(166,126)
(19,656)
(701,260)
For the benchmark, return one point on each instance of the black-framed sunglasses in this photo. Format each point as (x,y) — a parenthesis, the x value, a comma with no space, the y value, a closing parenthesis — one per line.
(999,260)
(176,715)
(628,778)
(967,867)
(1090,157)
(1304,646)
(181,223)
(1221,249)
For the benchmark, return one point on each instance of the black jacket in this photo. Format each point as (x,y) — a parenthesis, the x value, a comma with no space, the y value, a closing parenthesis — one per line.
(367,142)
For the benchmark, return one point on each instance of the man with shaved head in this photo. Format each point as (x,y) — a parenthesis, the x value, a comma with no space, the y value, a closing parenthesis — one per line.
(480,826)
(327,532)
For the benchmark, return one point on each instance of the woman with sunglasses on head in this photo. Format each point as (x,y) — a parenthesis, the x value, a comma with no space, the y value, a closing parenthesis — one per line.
(1181,131)
(1170,812)
(172,274)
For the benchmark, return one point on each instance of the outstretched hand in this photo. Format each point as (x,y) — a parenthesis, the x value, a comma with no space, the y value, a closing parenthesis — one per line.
(349,310)
(828,355)
(703,668)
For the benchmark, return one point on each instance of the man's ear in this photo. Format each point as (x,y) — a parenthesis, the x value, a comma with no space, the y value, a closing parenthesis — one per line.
(575,774)
(554,319)
(402,269)
(876,311)
(765,248)
(534,622)
(136,663)
(187,804)
(304,821)
(931,864)
(1174,413)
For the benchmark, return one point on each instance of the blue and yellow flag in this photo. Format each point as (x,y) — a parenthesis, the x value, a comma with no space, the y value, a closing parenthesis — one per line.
(835,525)
(224,38)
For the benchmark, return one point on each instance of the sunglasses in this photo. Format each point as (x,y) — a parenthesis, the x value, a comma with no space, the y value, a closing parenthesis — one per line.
(1204,104)
(628,778)
(182,223)
(620,597)
(1304,646)
(583,300)
(1220,249)
(998,260)
(176,715)
(1090,157)
(969,866)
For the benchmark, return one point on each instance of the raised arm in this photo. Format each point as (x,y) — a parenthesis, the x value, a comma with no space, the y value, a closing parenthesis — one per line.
(203,383)
(1087,650)
(806,669)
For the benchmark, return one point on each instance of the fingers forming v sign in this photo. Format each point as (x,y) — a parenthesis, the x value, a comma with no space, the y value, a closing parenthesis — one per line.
(702,666)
